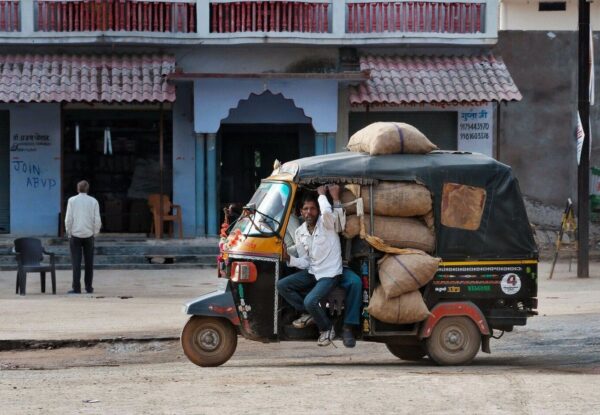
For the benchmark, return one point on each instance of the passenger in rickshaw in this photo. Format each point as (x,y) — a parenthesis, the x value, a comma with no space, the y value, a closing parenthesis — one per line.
(319,257)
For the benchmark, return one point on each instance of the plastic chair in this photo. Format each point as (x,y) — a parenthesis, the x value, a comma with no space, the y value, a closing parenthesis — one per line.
(170,213)
(30,254)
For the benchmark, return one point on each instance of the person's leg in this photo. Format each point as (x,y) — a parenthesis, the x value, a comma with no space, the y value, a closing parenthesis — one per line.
(88,254)
(75,245)
(353,286)
(292,287)
(311,302)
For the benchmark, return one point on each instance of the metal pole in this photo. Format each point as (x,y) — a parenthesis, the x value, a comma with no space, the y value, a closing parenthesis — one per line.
(583,179)
(161,169)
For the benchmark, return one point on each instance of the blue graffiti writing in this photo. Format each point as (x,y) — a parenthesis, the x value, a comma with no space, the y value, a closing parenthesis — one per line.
(34,178)
(40,183)
(27,168)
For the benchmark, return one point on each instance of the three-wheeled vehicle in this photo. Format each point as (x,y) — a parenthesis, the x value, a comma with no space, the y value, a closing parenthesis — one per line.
(485,284)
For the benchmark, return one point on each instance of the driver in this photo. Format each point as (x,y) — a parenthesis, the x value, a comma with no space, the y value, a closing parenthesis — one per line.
(320,258)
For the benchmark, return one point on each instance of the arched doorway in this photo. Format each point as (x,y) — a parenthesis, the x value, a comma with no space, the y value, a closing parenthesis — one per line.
(261,129)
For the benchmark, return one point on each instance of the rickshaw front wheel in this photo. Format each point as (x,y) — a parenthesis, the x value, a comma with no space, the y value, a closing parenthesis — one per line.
(454,341)
(410,352)
(208,341)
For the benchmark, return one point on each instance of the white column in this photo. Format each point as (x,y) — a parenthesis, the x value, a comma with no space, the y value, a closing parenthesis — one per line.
(203,17)
(491,18)
(338,16)
(27,20)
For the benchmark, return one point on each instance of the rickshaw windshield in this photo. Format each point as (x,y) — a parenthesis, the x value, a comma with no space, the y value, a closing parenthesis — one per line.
(264,213)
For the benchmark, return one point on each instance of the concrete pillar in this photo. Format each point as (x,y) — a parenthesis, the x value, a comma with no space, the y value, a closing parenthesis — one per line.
(200,185)
(491,18)
(212,199)
(343,118)
(203,18)
(338,16)
(27,17)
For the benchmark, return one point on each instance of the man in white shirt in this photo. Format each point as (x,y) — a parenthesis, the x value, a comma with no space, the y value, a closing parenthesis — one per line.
(319,253)
(82,224)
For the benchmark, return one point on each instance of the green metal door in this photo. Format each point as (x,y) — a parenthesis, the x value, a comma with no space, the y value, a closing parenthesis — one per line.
(4,172)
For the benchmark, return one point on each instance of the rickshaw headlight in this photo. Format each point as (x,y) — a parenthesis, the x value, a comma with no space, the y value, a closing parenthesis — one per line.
(243,272)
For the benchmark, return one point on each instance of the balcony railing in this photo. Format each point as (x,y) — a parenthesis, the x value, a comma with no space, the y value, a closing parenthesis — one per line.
(269,16)
(335,22)
(415,16)
(114,15)
(9,16)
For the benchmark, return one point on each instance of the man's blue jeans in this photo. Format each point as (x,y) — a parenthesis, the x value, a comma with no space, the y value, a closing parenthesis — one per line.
(353,286)
(294,287)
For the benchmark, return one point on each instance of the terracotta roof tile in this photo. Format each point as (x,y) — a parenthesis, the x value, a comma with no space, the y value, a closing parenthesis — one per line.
(407,79)
(82,78)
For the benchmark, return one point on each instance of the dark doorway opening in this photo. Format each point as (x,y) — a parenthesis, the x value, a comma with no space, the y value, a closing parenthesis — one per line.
(249,151)
(4,171)
(123,179)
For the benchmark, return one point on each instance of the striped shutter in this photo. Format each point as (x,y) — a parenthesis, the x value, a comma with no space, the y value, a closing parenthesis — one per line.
(4,172)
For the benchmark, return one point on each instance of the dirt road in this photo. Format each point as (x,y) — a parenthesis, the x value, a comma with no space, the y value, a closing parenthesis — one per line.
(550,366)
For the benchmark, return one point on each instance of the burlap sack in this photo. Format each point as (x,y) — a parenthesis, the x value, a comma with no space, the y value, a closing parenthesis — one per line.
(429,220)
(392,199)
(400,274)
(408,308)
(390,138)
(397,232)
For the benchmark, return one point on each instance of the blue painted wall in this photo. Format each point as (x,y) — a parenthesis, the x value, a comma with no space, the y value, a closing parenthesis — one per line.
(214,98)
(35,159)
(184,158)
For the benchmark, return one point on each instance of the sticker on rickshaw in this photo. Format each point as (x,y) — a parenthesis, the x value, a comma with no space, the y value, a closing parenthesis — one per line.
(510,284)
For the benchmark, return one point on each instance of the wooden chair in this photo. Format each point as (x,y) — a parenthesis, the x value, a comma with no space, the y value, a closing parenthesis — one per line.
(170,213)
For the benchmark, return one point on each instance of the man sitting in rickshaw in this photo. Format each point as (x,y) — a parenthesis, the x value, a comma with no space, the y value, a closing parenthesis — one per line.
(320,259)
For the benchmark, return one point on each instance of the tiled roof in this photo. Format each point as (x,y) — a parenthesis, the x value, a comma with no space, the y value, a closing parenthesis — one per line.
(77,78)
(428,79)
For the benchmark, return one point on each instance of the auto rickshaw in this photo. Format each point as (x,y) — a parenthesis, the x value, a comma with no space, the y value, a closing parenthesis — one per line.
(485,285)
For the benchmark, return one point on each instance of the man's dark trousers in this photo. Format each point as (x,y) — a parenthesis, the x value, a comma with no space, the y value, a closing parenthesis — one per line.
(87,244)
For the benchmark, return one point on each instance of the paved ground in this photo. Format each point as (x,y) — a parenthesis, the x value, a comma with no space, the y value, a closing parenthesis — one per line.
(552,365)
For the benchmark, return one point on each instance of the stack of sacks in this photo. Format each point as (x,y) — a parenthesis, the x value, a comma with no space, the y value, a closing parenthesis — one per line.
(403,214)
(390,138)
(397,300)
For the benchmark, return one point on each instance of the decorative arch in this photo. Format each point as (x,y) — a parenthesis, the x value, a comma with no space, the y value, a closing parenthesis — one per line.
(215,98)
(266,108)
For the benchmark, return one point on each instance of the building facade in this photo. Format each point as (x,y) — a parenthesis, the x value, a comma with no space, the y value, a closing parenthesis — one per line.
(539,44)
(196,99)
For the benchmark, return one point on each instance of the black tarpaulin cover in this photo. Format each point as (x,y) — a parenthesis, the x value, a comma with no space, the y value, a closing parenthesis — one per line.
(504,231)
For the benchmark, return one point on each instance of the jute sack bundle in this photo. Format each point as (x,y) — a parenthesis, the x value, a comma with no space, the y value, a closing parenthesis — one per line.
(408,308)
(397,232)
(392,199)
(400,274)
(390,138)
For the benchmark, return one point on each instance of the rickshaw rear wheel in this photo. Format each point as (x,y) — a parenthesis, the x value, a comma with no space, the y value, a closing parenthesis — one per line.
(454,341)
(208,341)
(404,352)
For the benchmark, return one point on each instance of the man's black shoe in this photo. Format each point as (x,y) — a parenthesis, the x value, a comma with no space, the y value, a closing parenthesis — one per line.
(90,291)
(74,292)
(348,337)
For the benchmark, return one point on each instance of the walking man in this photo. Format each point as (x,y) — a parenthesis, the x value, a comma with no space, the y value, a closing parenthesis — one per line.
(82,224)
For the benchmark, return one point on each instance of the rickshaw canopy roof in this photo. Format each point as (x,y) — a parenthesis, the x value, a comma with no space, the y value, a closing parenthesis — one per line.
(504,231)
